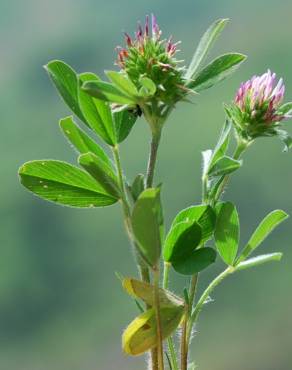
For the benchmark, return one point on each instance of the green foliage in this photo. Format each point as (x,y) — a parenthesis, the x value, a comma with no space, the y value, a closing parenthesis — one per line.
(147,211)
(219,69)
(286,108)
(203,215)
(66,81)
(269,223)
(191,228)
(81,141)
(224,166)
(227,231)
(123,83)
(97,112)
(101,172)
(107,92)
(216,164)
(205,44)
(137,186)
(259,260)
(141,335)
(124,121)
(222,144)
(148,87)
(181,241)
(195,262)
(63,183)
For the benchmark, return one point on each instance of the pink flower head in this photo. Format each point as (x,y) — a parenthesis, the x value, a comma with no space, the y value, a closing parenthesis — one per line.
(260,98)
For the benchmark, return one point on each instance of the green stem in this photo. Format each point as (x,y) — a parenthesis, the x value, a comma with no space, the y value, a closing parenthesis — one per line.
(143,269)
(158,319)
(170,343)
(240,148)
(166,274)
(204,189)
(124,200)
(152,158)
(193,288)
(205,296)
(149,181)
(184,349)
(187,325)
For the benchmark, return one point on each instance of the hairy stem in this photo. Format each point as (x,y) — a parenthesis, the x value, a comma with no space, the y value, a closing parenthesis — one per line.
(143,269)
(152,158)
(192,294)
(148,183)
(183,348)
(206,294)
(158,319)
(170,343)
(240,148)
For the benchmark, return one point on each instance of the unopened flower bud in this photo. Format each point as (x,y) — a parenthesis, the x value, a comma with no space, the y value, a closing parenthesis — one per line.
(256,110)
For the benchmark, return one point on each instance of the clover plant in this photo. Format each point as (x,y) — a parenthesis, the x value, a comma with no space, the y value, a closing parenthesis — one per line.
(148,83)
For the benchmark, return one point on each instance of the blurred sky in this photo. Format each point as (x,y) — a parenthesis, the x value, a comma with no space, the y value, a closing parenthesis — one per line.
(61,306)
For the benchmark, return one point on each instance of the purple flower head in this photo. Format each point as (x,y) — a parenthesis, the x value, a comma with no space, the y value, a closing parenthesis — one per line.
(260,98)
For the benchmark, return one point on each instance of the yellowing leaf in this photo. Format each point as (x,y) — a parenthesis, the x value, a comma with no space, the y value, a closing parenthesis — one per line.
(141,335)
(145,291)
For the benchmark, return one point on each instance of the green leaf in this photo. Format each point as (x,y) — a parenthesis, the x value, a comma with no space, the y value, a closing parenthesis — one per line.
(196,262)
(80,140)
(259,260)
(205,44)
(216,71)
(204,215)
(63,183)
(107,92)
(101,172)
(138,186)
(224,166)
(147,224)
(148,87)
(145,291)
(269,223)
(227,231)
(124,121)
(141,335)
(97,113)
(66,82)
(123,83)
(206,159)
(222,144)
(285,138)
(181,241)
(211,157)
(285,109)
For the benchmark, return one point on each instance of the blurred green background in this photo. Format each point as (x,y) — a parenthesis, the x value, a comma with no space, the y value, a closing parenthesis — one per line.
(61,306)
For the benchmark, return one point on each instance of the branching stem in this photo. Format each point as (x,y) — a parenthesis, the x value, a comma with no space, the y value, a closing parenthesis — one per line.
(205,296)
(143,269)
